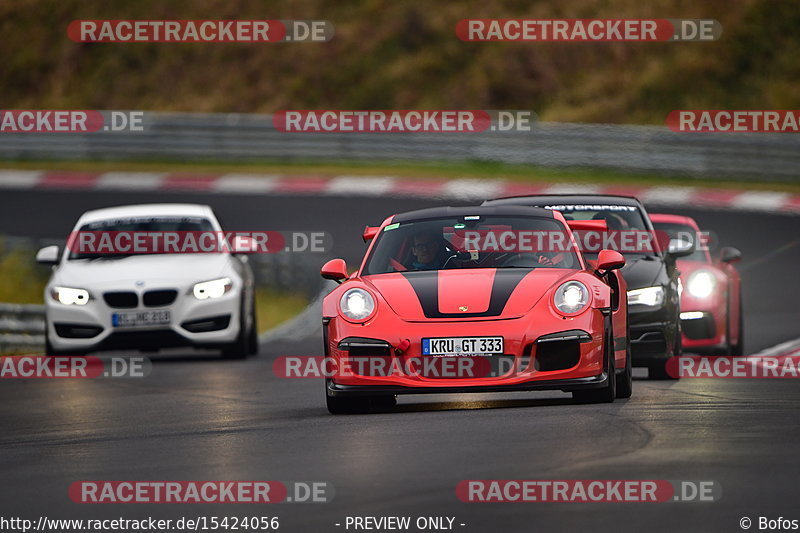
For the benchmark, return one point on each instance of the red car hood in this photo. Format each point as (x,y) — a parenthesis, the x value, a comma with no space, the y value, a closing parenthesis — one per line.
(474,294)
(688,267)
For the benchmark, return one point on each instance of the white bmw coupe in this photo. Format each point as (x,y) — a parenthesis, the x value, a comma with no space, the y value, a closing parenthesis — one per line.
(153,300)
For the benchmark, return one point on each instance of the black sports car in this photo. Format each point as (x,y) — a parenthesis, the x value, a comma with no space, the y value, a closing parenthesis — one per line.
(651,275)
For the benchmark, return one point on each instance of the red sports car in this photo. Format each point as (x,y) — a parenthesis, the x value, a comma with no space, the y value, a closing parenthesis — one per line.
(498,294)
(711,300)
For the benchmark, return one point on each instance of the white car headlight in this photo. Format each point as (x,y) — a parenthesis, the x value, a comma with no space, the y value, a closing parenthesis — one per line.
(212,289)
(650,296)
(701,284)
(70,296)
(571,297)
(357,304)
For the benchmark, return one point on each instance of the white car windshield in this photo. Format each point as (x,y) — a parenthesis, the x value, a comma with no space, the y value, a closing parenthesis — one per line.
(160,225)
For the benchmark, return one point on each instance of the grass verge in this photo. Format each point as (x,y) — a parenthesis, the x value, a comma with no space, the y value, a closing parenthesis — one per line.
(274,307)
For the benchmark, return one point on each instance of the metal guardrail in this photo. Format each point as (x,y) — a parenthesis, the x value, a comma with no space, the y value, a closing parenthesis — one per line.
(21,326)
(289,272)
(243,137)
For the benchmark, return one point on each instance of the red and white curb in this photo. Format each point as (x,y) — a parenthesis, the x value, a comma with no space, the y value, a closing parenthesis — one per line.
(392,186)
(787,348)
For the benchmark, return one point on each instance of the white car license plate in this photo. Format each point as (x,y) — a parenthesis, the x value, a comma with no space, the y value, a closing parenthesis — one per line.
(462,346)
(140,318)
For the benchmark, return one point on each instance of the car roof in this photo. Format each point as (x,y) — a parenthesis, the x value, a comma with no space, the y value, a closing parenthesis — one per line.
(146,210)
(571,199)
(499,210)
(673,219)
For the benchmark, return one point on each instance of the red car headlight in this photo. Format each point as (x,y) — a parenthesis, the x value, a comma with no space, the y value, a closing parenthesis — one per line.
(357,305)
(701,284)
(571,297)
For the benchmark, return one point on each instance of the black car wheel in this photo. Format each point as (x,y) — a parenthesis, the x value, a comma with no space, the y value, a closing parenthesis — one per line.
(252,340)
(338,405)
(738,348)
(239,348)
(625,379)
(48,348)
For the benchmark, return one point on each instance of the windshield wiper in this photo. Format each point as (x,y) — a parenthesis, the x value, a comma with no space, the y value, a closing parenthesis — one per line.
(106,256)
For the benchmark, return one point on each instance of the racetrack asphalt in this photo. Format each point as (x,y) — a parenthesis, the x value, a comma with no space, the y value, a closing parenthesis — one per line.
(197,417)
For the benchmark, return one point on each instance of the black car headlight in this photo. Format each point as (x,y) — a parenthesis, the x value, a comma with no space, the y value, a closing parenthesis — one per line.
(649,296)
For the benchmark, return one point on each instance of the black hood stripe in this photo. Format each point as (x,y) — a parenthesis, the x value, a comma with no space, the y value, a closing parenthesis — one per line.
(426,286)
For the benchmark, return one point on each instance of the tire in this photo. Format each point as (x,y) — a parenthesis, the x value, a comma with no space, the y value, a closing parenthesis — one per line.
(347,406)
(658,371)
(738,348)
(625,380)
(48,348)
(358,404)
(607,393)
(49,351)
(252,340)
(239,348)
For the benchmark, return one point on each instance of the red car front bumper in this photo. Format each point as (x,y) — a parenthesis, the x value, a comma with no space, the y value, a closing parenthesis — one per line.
(708,327)
(542,358)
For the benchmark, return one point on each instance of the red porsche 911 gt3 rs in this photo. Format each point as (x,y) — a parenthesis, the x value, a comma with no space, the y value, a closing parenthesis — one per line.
(475,299)
(711,301)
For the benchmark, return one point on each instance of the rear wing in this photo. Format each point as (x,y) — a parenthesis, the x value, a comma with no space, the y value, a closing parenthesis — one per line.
(587,225)
(370,232)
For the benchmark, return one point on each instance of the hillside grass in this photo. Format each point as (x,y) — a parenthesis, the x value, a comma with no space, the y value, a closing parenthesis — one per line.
(404,54)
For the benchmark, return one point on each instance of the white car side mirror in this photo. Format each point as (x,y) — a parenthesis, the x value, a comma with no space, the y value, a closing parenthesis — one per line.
(48,255)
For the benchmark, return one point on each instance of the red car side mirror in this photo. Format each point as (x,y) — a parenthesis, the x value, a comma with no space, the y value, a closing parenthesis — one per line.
(610,260)
(335,269)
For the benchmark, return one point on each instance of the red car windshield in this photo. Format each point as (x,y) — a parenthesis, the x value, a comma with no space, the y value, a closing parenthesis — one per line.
(472,242)
(686,233)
